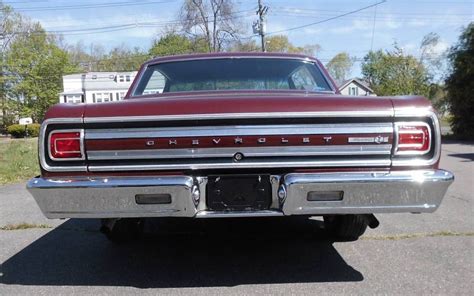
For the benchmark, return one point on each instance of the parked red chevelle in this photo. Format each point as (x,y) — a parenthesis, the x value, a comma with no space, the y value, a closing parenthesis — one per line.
(239,135)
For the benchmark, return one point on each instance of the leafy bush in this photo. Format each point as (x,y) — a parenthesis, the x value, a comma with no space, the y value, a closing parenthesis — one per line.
(18,131)
(460,85)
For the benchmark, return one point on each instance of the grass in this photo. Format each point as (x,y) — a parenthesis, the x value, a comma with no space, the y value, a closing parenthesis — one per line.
(417,235)
(23,226)
(445,121)
(18,160)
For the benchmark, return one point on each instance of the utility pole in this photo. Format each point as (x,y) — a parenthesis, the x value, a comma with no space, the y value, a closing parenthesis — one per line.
(259,27)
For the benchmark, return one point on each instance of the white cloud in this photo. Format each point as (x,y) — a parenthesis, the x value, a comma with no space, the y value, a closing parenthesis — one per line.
(440,48)
(388,23)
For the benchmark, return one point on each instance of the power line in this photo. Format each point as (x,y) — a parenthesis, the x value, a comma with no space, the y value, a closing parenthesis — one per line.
(304,10)
(373,30)
(326,20)
(378,18)
(87,6)
(121,27)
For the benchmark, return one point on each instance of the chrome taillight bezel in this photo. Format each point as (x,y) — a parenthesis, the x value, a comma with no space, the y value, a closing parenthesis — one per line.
(396,145)
(81,145)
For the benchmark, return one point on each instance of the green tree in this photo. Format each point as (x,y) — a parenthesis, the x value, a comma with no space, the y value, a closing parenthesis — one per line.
(245,46)
(340,66)
(36,65)
(281,43)
(172,43)
(12,25)
(460,84)
(86,58)
(121,58)
(395,73)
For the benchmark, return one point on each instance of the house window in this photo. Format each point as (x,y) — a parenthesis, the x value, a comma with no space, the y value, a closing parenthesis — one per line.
(75,99)
(127,78)
(102,97)
(353,91)
(121,78)
(122,95)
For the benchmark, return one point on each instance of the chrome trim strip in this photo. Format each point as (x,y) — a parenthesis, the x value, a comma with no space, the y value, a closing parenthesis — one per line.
(284,151)
(239,214)
(169,59)
(240,130)
(114,182)
(257,115)
(243,164)
(42,143)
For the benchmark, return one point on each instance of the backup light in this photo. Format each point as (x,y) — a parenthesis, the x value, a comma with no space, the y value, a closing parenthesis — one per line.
(66,145)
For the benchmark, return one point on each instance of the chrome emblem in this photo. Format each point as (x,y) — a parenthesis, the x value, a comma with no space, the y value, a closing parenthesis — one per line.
(173,142)
(327,139)
(216,141)
(150,143)
(195,142)
(238,140)
(378,139)
(284,140)
(261,140)
(306,140)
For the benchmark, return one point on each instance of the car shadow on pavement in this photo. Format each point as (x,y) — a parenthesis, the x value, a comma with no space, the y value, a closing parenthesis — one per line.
(183,253)
(467,156)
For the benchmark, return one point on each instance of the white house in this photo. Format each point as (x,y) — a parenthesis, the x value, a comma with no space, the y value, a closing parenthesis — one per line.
(355,87)
(96,87)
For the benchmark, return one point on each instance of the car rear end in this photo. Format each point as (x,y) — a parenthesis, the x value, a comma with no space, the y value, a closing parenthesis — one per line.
(240,164)
(240,153)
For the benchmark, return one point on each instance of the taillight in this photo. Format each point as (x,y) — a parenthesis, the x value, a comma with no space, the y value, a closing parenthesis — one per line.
(66,145)
(413,138)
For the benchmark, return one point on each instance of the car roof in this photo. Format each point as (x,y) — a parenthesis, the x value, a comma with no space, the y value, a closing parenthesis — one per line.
(215,55)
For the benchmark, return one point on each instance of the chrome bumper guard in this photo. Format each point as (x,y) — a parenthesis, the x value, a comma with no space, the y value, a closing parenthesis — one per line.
(359,193)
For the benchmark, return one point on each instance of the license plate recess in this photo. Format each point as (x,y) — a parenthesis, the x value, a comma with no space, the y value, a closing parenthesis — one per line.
(238,192)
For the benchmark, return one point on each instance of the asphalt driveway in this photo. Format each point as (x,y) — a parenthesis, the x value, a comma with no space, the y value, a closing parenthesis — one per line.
(414,254)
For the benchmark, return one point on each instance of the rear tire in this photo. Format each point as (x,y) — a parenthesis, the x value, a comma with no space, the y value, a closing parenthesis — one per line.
(345,227)
(122,230)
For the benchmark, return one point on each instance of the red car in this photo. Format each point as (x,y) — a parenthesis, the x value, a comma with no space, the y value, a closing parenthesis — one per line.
(239,135)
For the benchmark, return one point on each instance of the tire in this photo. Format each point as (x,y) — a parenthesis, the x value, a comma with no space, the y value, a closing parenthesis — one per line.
(122,230)
(345,227)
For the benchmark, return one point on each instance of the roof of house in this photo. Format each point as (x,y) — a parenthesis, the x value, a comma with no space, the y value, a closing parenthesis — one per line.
(72,92)
(357,81)
(99,74)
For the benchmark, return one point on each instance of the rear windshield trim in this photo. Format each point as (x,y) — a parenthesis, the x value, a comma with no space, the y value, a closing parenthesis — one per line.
(328,81)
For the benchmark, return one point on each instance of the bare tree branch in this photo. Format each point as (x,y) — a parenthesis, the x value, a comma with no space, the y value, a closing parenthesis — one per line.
(197,15)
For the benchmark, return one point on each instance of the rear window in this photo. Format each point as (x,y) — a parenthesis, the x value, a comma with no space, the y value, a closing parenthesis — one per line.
(231,74)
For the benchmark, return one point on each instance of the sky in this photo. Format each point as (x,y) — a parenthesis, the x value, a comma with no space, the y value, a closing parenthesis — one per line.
(334,25)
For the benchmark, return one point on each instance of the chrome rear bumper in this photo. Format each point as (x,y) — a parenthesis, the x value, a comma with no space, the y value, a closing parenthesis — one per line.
(361,193)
